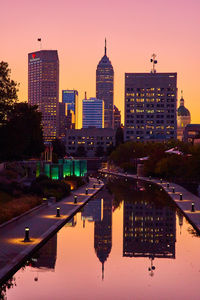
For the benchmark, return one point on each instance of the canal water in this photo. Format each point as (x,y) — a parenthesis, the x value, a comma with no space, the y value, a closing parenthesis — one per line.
(129,242)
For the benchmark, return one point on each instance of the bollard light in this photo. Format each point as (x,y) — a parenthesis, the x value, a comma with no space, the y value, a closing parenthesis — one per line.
(161,189)
(58,212)
(161,180)
(181,196)
(149,177)
(193,208)
(75,198)
(149,185)
(167,185)
(26,237)
(173,190)
(99,181)
(86,191)
(93,186)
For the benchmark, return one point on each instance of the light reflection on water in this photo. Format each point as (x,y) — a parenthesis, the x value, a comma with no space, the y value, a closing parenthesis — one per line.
(130,244)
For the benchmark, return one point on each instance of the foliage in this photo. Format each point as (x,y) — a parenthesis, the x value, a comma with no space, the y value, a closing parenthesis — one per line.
(80,152)
(47,187)
(8,92)
(99,151)
(21,136)
(59,148)
(119,136)
(78,180)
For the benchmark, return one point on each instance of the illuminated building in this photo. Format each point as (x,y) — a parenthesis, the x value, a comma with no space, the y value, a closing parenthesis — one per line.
(117,117)
(183,119)
(89,139)
(150,106)
(43,89)
(70,97)
(103,233)
(93,113)
(191,134)
(104,88)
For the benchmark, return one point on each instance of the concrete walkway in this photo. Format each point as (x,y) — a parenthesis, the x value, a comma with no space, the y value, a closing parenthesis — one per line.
(185,205)
(43,223)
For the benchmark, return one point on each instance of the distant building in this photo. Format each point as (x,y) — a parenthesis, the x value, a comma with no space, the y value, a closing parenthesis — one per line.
(93,113)
(183,119)
(43,89)
(150,106)
(89,139)
(191,133)
(70,97)
(104,87)
(117,117)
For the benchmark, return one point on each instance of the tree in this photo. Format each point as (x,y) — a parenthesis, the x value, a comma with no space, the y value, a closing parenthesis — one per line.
(119,136)
(21,135)
(59,148)
(8,92)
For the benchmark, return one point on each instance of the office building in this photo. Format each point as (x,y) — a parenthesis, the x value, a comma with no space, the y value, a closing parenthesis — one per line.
(104,87)
(150,106)
(89,140)
(43,89)
(117,117)
(191,134)
(183,119)
(70,97)
(93,113)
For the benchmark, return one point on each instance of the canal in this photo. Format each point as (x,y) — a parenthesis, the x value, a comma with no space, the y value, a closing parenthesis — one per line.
(129,242)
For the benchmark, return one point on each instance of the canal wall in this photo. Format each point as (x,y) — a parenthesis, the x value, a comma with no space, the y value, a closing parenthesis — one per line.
(188,203)
(43,224)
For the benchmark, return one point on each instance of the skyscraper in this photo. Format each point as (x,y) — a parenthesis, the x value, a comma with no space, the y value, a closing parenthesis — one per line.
(116,117)
(93,113)
(104,87)
(150,106)
(43,88)
(70,97)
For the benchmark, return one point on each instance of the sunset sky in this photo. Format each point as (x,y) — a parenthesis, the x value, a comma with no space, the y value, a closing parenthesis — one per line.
(134,30)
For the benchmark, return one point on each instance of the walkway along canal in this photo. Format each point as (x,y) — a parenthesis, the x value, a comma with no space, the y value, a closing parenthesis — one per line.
(39,225)
(188,203)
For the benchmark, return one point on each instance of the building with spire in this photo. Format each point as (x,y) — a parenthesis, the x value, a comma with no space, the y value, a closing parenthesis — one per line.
(183,118)
(104,87)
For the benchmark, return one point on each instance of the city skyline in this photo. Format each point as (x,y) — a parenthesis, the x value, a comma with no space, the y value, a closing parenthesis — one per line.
(130,43)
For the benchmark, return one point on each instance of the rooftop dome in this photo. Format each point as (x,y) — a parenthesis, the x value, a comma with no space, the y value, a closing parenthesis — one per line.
(182,111)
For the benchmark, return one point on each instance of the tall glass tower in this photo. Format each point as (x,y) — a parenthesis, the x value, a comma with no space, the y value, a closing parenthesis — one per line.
(70,98)
(43,89)
(104,87)
(93,113)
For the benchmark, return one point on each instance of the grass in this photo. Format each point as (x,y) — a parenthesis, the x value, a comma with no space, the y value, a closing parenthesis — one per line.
(14,207)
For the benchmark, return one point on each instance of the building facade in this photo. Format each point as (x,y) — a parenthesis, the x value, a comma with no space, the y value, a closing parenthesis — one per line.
(43,89)
(117,117)
(70,98)
(89,140)
(191,134)
(150,106)
(93,113)
(183,119)
(104,87)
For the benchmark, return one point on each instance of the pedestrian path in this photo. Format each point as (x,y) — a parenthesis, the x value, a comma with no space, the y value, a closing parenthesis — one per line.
(187,202)
(42,224)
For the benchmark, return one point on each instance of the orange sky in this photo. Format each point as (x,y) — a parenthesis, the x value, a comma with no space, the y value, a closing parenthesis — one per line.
(134,30)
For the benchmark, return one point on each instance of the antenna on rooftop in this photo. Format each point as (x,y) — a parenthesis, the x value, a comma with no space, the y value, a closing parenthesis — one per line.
(40,41)
(85,95)
(154,62)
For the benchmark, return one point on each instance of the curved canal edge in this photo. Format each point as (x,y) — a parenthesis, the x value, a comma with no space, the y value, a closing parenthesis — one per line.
(43,225)
(188,203)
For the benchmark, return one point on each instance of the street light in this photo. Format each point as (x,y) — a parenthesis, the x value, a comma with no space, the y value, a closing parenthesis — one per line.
(26,238)
(58,212)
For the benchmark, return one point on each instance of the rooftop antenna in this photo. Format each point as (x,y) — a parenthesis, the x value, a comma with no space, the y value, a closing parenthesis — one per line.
(85,95)
(40,41)
(181,94)
(154,62)
(105,47)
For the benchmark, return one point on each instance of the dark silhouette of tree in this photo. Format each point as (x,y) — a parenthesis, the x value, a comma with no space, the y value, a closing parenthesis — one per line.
(80,152)
(110,149)
(8,92)
(99,151)
(21,135)
(59,148)
(119,136)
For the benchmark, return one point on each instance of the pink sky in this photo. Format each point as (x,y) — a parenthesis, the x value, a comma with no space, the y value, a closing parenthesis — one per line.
(134,30)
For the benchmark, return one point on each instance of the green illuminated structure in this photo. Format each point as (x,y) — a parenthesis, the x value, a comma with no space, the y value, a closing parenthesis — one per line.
(64,168)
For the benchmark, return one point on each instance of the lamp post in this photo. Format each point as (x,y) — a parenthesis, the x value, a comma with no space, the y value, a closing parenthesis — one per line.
(181,196)
(86,191)
(58,212)
(192,208)
(26,237)
(75,198)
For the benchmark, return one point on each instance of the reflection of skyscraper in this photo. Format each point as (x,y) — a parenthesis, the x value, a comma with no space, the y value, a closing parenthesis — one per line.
(103,233)
(149,231)
(93,210)
(43,89)
(104,87)
(45,258)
